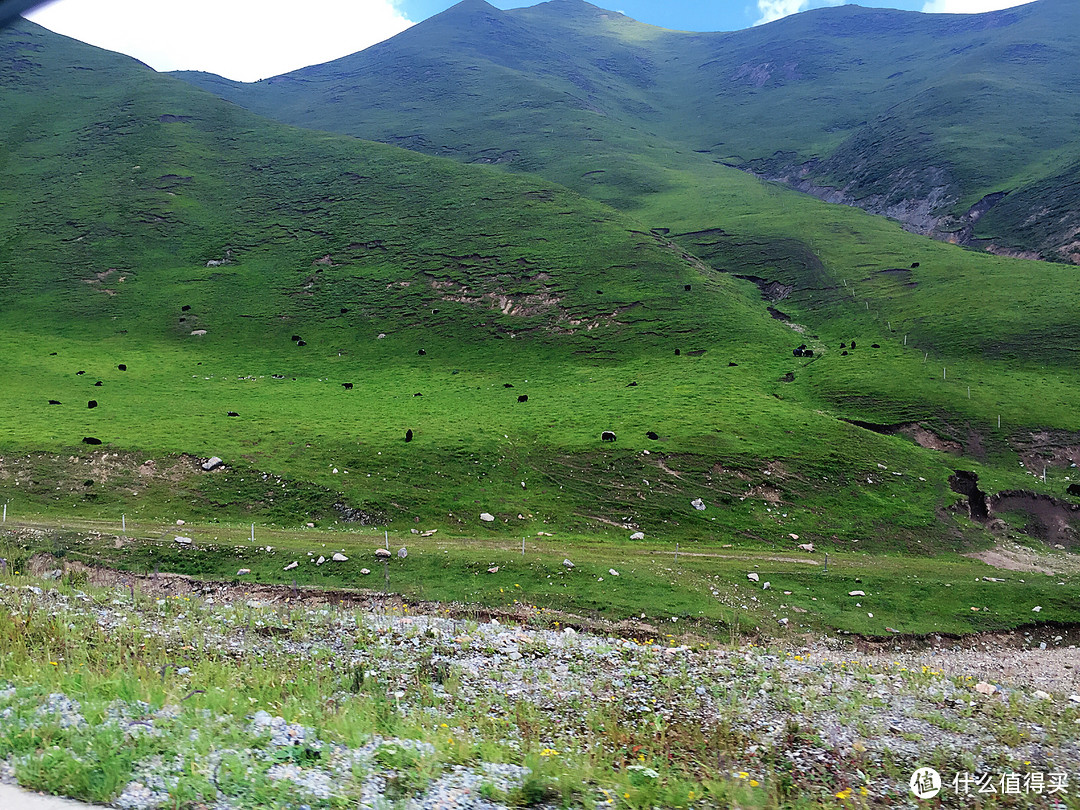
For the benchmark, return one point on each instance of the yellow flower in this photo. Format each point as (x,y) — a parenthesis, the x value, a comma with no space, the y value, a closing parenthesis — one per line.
(754,783)
(743,775)
(864,791)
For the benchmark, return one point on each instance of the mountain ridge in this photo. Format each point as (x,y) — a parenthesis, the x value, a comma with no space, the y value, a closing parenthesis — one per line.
(831,100)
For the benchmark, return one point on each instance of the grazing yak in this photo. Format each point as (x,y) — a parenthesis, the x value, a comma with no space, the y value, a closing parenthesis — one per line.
(122,366)
(347,386)
(652,435)
(92,403)
(523,398)
(408,435)
(607,436)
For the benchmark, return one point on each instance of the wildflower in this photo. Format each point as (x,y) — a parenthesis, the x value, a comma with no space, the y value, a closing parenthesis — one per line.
(743,775)
(754,783)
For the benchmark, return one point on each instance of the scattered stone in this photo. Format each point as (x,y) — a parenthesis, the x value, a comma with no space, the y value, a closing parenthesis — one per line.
(292,565)
(184,541)
(637,536)
(613,572)
(402,552)
(783,622)
(1036,609)
(765,586)
(807,547)
(984,688)
(179,523)
(365,571)
(753,577)
(1041,695)
(493,570)
(321,560)
(339,557)
(487,517)
(698,504)
(212,463)
(793,536)
(856,593)
(243,571)
(567,564)
(382,552)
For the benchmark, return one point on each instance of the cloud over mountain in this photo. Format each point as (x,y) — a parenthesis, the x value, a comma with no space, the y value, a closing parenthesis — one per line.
(240,39)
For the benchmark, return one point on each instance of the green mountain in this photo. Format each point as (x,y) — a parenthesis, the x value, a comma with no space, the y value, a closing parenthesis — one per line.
(928,119)
(223,276)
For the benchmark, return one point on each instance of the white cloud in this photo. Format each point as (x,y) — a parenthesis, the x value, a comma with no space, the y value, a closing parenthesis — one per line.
(968,6)
(775,9)
(240,39)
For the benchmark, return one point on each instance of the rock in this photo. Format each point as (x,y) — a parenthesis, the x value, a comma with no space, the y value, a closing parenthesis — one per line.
(984,688)
(493,570)
(1074,698)
(613,572)
(570,631)
(243,571)
(891,629)
(793,536)
(184,541)
(292,565)
(567,564)
(487,517)
(698,504)
(637,536)
(1036,609)
(753,577)
(992,579)
(1041,695)
(179,523)
(321,560)
(198,332)
(856,593)
(338,557)
(807,547)
(212,463)
(382,552)
(311,525)
(428,533)
(783,622)
(365,571)
(402,552)
(766,586)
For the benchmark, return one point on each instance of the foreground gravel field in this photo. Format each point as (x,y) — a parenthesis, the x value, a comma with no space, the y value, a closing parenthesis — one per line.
(832,720)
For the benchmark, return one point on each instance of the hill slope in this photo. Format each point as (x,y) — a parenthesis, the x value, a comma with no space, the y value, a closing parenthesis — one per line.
(504,320)
(919,117)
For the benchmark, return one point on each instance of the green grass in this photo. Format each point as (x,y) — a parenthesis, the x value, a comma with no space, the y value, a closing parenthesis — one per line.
(120,185)
(699,587)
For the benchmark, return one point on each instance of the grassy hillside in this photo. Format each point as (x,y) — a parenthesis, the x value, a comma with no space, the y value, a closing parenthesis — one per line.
(242,271)
(915,116)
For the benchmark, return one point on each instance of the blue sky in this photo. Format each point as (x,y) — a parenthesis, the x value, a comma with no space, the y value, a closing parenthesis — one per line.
(249,40)
(716,15)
